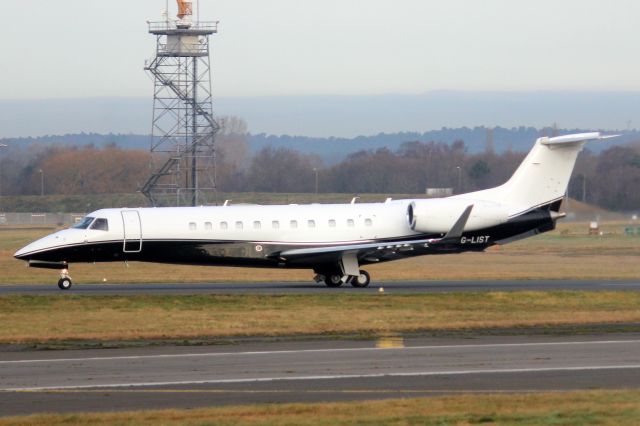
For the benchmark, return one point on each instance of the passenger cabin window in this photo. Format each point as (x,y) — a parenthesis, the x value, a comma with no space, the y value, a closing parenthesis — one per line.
(332,223)
(257,224)
(192,226)
(100,224)
(239,226)
(293,224)
(224,226)
(368,222)
(84,223)
(275,224)
(208,226)
(311,224)
(350,223)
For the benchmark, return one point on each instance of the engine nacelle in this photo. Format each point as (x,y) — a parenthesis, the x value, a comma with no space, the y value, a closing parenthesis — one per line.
(439,215)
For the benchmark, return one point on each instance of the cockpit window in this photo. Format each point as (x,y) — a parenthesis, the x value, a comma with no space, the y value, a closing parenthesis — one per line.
(84,223)
(100,224)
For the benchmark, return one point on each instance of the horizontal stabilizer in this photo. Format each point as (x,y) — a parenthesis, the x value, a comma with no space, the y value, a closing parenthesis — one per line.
(576,138)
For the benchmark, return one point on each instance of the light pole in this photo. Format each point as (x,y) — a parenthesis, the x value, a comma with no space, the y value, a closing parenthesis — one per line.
(459,179)
(1,146)
(41,182)
(315,170)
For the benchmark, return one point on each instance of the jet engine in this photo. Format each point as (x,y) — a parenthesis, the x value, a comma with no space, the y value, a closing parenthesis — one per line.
(439,215)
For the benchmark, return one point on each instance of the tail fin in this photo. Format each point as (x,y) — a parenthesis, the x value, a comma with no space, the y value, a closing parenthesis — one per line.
(543,176)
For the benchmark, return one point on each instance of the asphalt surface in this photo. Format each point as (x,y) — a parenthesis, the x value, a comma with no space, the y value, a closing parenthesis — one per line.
(258,372)
(310,287)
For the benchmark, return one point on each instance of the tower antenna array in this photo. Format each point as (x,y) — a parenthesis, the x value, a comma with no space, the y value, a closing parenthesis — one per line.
(183,127)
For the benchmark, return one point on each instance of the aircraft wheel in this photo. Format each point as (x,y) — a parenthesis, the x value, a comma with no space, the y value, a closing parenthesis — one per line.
(65,283)
(333,280)
(361,280)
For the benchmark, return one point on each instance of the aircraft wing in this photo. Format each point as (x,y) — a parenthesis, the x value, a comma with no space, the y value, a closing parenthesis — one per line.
(380,246)
(379,249)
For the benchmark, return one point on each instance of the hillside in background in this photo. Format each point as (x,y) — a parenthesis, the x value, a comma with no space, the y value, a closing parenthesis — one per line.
(338,116)
(333,150)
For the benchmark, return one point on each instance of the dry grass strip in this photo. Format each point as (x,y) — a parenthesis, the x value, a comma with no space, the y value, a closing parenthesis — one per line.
(572,408)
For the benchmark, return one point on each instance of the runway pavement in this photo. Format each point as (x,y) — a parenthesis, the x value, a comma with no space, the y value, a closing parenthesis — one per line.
(310,287)
(188,377)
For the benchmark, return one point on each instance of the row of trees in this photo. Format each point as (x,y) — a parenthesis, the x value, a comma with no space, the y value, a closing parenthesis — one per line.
(610,179)
(68,171)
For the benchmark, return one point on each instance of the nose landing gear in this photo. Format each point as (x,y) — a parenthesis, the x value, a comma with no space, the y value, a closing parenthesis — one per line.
(64,283)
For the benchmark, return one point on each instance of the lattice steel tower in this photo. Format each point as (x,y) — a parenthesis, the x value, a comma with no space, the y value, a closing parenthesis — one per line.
(183,127)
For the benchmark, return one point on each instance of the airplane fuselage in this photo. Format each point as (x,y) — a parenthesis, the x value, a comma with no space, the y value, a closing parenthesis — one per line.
(248,235)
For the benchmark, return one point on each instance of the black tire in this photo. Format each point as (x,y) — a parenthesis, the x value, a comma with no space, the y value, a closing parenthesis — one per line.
(333,281)
(64,283)
(362,280)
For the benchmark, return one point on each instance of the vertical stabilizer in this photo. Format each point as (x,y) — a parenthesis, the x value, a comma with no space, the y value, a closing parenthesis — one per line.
(543,177)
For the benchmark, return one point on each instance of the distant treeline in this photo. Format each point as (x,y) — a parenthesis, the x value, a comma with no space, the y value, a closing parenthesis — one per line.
(334,150)
(610,179)
(477,140)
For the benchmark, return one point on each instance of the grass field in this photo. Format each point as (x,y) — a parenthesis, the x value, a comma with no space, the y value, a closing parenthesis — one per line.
(567,253)
(66,318)
(573,408)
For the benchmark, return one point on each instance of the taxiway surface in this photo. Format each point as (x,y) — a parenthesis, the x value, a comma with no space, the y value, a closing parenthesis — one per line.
(309,287)
(188,377)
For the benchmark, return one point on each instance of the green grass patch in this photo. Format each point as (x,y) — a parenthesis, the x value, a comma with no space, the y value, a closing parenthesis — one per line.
(33,319)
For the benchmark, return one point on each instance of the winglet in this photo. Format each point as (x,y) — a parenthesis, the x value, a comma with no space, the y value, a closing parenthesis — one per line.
(458,228)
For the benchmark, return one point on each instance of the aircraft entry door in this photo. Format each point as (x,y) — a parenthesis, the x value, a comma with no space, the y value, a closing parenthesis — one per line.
(132,231)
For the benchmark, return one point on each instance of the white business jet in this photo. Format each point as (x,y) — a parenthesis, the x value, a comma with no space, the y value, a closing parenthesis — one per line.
(334,240)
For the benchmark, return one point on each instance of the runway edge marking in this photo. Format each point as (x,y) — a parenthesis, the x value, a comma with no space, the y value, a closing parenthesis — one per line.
(283,352)
(328,377)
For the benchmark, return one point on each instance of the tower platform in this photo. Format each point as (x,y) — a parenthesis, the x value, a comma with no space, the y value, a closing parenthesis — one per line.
(177,41)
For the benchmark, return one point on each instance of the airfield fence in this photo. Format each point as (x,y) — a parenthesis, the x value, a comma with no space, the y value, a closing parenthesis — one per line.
(50,219)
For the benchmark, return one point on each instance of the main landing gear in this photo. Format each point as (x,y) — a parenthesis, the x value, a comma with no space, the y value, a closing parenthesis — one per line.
(363,279)
(65,283)
(347,270)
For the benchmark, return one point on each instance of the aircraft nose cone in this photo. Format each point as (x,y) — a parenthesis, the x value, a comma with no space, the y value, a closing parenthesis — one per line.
(21,254)
(32,250)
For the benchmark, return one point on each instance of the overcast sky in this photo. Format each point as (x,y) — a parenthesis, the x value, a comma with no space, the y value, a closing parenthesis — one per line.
(89,48)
